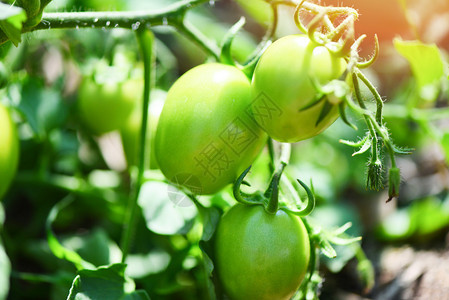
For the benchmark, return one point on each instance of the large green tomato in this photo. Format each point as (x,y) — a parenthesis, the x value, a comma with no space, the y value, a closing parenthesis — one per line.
(106,102)
(130,132)
(284,85)
(206,135)
(9,149)
(260,255)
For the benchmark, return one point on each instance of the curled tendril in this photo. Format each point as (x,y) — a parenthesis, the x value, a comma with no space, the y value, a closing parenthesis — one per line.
(314,27)
(225,55)
(310,202)
(370,61)
(297,18)
(243,197)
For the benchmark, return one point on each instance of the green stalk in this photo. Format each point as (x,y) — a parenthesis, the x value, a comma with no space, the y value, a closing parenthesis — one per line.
(172,15)
(375,93)
(273,190)
(116,19)
(145,39)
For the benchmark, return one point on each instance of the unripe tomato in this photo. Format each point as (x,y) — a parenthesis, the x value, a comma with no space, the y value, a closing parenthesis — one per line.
(206,135)
(130,132)
(260,255)
(9,149)
(105,104)
(283,85)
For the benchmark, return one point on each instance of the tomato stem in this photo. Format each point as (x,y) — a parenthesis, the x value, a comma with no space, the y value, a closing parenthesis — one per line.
(146,42)
(375,93)
(172,15)
(225,53)
(272,193)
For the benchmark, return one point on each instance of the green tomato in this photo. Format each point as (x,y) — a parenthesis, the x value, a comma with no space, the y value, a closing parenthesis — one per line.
(105,104)
(130,132)
(260,255)
(206,135)
(284,85)
(9,150)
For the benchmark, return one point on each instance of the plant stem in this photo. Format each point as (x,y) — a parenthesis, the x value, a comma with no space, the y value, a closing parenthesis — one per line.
(146,42)
(191,32)
(172,15)
(375,93)
(116,19)
(273,191)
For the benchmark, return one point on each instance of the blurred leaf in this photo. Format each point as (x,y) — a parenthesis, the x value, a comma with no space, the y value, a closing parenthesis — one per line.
(105,283)
(5,269)
(142,265)
(43,108)
(259,10)
(445,144)
(2,216)
(95,247)
(55,246)
(420,220)
(426,64)
(5,265)
(430,215)
(210,218)
(11,18)
(166,209)
(335,225)
(396,226)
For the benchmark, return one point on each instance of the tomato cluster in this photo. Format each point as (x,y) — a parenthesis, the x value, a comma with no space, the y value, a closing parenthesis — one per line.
(212,125)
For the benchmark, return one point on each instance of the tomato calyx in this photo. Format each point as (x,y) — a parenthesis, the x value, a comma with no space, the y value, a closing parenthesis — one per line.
(270,198)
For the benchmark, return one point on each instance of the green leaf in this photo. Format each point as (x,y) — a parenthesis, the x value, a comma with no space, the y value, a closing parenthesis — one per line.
(11,18)
(429,215)
(166,209)
(55,246)
(327,249)
(142,265)
(426,64)
(365,147)
(95,247)
(105,283)
(42,107)
(396,226)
